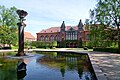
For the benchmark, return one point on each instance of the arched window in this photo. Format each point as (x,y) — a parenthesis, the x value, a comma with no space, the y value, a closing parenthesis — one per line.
(51,38)
(46,38)
(42,38)
(57,38)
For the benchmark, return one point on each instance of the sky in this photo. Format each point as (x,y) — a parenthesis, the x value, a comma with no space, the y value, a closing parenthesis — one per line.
(43,14)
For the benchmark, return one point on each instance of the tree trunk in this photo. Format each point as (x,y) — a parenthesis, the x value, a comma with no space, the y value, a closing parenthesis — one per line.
(118,29)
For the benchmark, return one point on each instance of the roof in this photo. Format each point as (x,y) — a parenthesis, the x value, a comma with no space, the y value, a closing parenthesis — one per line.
(51,30)
(57,29)
(68,27)
(28,35)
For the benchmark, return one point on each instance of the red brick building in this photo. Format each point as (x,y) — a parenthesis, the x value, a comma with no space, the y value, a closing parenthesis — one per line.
(28,36)
(70,36)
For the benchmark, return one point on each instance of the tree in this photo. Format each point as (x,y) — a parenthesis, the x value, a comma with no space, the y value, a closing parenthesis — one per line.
(107,12)
(8,27)
(8,17)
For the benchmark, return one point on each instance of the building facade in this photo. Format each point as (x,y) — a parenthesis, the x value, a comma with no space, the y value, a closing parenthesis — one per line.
(66,36)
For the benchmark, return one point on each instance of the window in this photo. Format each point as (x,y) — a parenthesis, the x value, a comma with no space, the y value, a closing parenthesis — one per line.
(42,38)
(46,38)
(71,35)
(75,35)
(67,36)
(57,38)
(51,38)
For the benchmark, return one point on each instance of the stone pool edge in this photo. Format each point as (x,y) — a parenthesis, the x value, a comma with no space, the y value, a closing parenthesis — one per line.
(98,72)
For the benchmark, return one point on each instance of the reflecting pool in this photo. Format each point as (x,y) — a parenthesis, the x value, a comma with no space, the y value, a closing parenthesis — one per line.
(47,66)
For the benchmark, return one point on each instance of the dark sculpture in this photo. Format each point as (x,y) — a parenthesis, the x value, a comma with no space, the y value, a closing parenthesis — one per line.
(21,26)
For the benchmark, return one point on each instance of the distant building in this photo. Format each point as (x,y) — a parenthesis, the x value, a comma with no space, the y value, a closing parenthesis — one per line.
(28,36)
(66,36)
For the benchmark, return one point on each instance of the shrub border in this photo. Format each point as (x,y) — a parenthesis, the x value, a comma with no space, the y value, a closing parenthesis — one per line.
(112,50)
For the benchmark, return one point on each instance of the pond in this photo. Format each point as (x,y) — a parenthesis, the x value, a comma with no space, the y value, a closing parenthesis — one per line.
(47,66)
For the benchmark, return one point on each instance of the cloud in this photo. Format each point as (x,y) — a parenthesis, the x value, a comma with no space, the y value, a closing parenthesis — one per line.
(43,14)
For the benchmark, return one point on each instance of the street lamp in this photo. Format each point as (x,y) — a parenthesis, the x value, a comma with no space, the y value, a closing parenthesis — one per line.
(21,25)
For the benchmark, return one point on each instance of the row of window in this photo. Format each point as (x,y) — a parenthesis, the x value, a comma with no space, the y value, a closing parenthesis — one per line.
(52,38)
(71,36)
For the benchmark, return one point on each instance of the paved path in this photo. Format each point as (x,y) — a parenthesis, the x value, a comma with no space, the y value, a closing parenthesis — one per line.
(108,63)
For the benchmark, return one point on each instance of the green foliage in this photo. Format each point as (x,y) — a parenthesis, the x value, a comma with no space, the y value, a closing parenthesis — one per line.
(107,12)
(90,44)
(14,47)
(8,17)
(27,43)
(80,44)
(41,44)
(112,50)
(63,44)
(7,36)
(53,44)
(8,27)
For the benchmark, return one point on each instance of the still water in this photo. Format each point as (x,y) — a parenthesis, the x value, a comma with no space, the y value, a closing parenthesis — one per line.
(47,66)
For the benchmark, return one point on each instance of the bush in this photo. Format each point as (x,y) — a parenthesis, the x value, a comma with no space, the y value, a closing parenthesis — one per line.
(42,44)
(112,50)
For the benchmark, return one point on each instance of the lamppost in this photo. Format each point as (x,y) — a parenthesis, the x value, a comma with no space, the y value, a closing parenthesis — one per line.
(21,26)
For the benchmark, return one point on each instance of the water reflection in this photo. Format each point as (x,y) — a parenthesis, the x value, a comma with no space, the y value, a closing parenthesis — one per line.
(68,62)
(21,74)
(47,66)
(11,68)
(8,69)
(21,69)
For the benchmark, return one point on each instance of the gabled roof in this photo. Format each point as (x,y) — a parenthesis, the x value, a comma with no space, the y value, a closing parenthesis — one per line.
(57,29)
(51,30)
(28,35)
(68,28)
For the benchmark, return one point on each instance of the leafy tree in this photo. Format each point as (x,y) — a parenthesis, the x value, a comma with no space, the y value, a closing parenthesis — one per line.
(27,43)
(7,37)
(8,17)
(107,12)
(8,27)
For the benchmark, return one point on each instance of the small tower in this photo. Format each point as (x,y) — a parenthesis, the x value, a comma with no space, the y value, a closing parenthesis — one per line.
(80,26)
(62,35)
(80,35)
(62,28)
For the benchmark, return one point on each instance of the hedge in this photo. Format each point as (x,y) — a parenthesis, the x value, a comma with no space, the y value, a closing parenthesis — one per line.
(112,50)
(40,44)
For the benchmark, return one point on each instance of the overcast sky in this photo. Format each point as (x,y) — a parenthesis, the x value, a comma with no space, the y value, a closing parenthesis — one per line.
(43,14)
